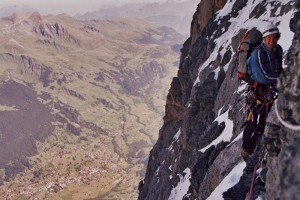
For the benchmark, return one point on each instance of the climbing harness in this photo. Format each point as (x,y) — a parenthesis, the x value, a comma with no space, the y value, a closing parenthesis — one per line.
(253,104)
(258,101)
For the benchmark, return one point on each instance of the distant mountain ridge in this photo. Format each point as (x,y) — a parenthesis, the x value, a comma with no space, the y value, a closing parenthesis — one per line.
(159,13)
(163,13)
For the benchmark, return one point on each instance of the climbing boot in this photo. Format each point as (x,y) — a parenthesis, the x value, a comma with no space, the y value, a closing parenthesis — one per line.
(245,154)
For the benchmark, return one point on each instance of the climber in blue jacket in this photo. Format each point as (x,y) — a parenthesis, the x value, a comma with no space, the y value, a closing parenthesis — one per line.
(263,67)
(265,62)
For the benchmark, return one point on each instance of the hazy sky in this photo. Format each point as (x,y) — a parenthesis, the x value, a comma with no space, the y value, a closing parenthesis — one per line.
(67,6)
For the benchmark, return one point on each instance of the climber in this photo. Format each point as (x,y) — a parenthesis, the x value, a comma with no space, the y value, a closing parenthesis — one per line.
(264,66)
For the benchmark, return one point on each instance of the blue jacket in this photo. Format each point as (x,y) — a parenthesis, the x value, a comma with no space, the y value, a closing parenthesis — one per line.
(264,66)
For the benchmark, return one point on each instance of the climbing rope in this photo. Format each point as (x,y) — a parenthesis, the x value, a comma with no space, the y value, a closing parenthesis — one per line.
(286,124)
(253,177)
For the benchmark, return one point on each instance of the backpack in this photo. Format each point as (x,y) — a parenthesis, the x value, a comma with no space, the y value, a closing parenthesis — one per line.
(250,40)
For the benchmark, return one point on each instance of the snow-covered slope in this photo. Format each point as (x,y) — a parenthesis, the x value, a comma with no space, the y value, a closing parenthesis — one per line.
(204,104)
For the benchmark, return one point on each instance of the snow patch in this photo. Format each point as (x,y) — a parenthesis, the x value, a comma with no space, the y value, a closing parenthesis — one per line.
(175,138)
(157,171)
(220,110)
(242,87)
(181,189)
(260,198)
(239,137)
(225,10)
(286,34)
(258,171)
(229,181)
(226,134)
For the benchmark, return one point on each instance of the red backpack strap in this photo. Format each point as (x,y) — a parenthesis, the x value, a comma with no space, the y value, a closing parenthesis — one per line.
(241,75)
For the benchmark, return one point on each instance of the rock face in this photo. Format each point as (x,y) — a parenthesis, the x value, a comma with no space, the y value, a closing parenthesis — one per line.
(190,159)
(283,179)
(205,11)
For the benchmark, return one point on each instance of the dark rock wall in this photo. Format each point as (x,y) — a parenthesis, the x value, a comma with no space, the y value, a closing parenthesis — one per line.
(192,107)
(283,180)
(205,11)
(188,115)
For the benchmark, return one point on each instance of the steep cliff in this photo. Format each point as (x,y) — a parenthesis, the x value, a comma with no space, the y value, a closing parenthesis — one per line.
(282,178)
(197,155)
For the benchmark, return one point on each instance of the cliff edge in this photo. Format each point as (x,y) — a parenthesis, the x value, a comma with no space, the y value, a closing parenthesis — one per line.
(197,155)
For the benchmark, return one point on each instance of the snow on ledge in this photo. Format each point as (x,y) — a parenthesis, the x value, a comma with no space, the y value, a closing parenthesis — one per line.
(175,138)
(181,189)
(229,181)
(239,137)
(225,135)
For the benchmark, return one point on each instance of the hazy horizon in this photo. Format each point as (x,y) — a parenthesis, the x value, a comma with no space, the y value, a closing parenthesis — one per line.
(69,6)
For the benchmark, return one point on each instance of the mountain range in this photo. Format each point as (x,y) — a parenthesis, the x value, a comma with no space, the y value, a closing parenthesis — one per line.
(175,14)
(81,104)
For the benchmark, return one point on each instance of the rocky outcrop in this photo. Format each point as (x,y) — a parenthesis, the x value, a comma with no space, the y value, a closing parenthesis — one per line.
(56,45)
(204,103)
(73,93)
(56,30)
(30,66)
(283,177)
(189,113)
(41,30)
(205,11)
(35,17)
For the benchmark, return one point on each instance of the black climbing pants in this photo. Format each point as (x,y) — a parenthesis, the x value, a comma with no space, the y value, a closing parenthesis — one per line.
(255,127)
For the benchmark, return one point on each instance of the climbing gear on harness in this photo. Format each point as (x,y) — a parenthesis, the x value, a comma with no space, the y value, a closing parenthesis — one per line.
(258,101)
(257,98)
(255,101)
